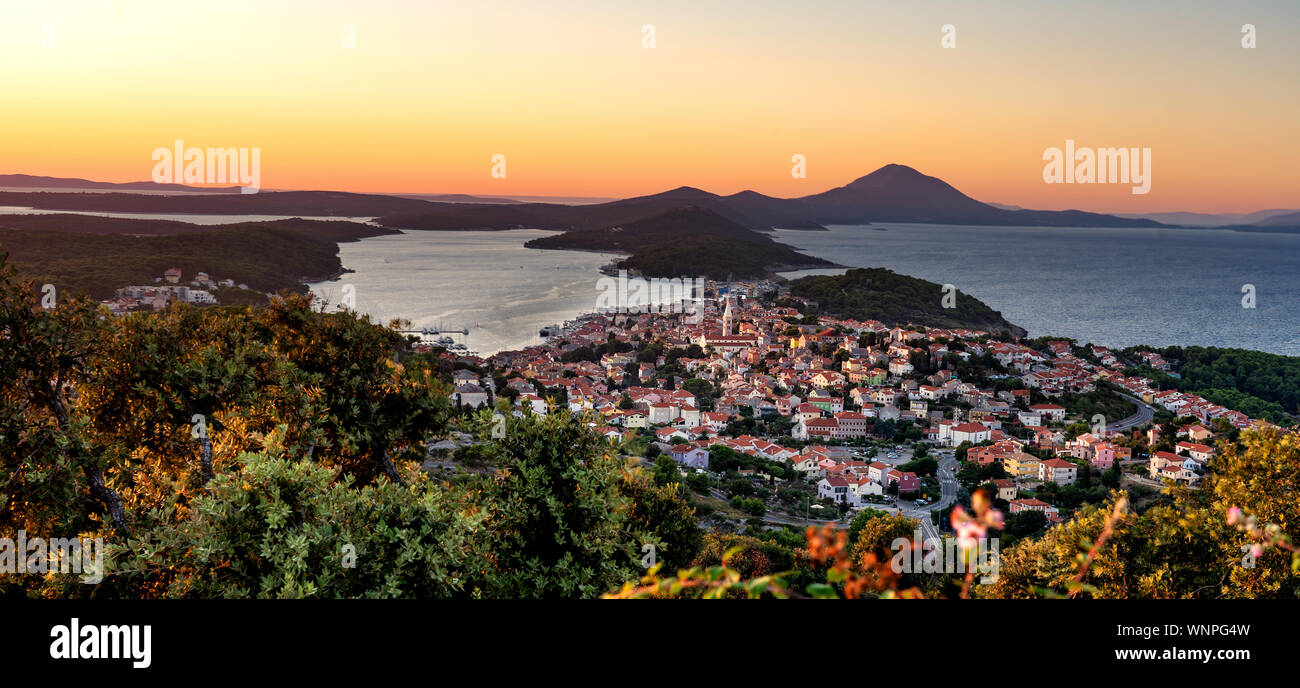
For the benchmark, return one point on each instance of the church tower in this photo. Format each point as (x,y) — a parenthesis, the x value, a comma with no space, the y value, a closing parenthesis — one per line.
(728,320)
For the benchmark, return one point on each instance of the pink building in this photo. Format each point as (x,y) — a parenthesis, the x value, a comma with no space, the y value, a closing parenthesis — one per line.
(1103,456)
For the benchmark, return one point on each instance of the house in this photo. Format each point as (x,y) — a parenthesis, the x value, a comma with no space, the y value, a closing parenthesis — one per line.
(1165,459)
(850,424)
(1082,447)
(836,488)
(827,404)
(1030,419)
(1178,473)
(816,428)
(1103,455)
(691,457)
(1006,489)
(536,403)
(1029,504)
(876,471)
(635,419)
(865,486)
(907,481)
(667,434)
(806,464)
(805,412)
(473,396)
(713,420)
(663,413)
(1053,412)
(172,275)
(1021,465)
(1200,452)
(1058,471)
(464,377)
(1195,433)
(970,432)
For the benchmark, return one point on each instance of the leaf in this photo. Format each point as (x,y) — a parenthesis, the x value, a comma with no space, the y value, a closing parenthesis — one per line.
(822,591)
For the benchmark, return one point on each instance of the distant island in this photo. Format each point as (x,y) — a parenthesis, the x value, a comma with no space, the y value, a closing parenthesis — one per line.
(893,193)
(689,241)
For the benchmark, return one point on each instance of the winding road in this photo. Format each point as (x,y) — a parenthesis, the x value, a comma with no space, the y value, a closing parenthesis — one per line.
(1144,415)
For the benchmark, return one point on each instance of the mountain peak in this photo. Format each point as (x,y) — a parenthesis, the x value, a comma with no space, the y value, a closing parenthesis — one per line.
(685,192)
(889,174)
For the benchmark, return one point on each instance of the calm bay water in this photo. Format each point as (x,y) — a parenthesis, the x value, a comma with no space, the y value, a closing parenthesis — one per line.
(1114,287)
(485,281)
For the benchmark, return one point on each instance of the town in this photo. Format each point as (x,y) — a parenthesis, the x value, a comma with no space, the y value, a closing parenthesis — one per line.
(777,418)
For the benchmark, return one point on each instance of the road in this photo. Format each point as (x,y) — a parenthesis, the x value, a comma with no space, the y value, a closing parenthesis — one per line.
(948,494)
(1144,415)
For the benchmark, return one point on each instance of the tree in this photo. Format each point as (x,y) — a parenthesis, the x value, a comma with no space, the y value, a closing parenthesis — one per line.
(280,527)
(1111,477)
(701,388)
(860,520)
(555,516)
(879,533)
(661,517)
(55,480)
(666,471)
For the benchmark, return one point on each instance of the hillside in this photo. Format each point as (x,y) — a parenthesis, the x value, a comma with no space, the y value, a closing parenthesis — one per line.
(687,241)
(268,256)
(1287,220)
(881,294)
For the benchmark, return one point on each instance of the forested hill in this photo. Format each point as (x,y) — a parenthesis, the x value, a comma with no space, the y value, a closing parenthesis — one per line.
(1259,384)
(93,255)
(884,295)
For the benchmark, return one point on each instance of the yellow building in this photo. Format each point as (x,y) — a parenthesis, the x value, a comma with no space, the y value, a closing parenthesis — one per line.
(1021,465)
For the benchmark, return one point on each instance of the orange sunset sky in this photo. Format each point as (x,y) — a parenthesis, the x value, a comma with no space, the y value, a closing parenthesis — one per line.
(731,90)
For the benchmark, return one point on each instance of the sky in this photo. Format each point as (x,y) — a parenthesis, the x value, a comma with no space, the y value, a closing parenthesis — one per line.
(417,97)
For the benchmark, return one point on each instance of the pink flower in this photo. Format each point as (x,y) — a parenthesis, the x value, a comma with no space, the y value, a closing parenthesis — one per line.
(1234,515)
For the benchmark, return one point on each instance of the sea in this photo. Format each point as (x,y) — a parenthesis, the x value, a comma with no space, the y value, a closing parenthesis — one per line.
(1114,287)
